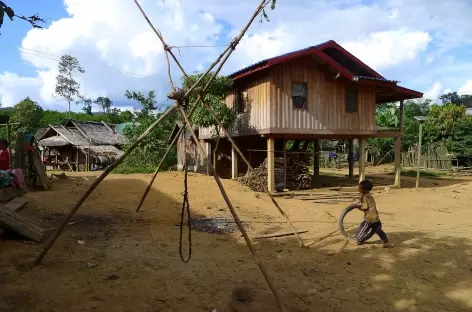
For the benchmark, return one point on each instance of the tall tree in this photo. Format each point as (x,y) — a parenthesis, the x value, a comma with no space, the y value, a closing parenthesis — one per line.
(28,113)
(104,103)
(66,85)
(148,102)
(34,20)
(87,106)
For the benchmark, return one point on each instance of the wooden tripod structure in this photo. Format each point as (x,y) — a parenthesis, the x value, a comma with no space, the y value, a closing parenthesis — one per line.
(179,97)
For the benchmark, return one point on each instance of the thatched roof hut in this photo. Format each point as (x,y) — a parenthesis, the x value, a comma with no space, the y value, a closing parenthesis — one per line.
(98,140)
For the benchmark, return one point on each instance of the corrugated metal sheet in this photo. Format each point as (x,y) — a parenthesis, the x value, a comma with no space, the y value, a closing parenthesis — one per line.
(276,57)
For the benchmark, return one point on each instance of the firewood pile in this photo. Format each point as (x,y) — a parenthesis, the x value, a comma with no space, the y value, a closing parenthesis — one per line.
(298,176)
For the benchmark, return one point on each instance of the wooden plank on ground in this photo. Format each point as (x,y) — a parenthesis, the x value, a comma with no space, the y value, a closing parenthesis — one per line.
(16,203)
(38,167)
(9,193)
(21,225)
(278,235)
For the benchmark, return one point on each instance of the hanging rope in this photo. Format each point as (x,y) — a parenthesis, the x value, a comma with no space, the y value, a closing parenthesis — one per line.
(185,206)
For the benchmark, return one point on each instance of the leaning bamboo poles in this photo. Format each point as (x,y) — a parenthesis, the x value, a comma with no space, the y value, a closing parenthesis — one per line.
(180,99)
(229,49)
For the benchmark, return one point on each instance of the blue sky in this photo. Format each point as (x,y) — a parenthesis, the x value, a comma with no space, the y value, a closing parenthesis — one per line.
(424,44)
(12,33)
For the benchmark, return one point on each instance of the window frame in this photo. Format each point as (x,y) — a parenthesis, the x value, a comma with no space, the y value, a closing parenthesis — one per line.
(305,84)
(347,107)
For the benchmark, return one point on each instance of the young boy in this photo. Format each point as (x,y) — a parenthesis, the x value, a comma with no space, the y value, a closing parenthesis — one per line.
(371,223)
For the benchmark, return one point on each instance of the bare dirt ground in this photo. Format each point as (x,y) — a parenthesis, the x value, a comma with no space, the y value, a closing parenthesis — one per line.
(130,262)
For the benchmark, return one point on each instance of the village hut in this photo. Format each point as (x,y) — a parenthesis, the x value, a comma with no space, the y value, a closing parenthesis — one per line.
(79,145)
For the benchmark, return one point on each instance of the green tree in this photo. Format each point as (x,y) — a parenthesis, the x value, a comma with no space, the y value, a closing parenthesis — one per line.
(153,147)
(28,113)
(442,122)
(66,85)
(215,97)
(86,105)
(104,103)
(462,144)
(386,117)
(34,20)
(410,125)
(126,116)
(148,103)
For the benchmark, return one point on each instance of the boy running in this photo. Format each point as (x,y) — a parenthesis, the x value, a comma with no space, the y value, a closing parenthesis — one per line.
(371,223)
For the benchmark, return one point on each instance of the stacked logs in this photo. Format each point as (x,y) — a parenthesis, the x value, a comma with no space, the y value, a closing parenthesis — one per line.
(298,176)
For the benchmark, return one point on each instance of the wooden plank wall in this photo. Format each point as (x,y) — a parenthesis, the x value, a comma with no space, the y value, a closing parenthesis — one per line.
(257,111)
(269,104)
(326,101)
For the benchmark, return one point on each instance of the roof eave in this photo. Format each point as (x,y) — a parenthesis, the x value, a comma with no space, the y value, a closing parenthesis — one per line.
(310,51)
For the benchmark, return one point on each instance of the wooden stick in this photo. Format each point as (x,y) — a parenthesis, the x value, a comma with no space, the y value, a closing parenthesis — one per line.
(233,213)
(192,110)
(235,146)
(97,182)
(230,48)
(278,235)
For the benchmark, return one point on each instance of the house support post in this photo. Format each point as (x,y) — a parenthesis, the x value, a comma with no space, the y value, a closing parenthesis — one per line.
(208,151)
(398,148)
(285,164)
(77,159)
(350,158)
(316,158)
(398,161)
(270,165)
(316,162)
(234,164)
(361,159)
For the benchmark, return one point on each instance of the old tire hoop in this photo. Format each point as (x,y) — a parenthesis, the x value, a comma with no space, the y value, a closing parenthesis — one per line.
(341,223)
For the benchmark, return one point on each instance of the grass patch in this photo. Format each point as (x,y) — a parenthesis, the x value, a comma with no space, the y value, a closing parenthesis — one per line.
(130,170)
(425,174)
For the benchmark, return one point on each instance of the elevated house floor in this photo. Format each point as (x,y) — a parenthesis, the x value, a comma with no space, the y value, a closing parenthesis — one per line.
(321,92)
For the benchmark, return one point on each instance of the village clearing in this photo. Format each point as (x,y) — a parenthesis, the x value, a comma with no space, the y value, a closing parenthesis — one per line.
(112,259)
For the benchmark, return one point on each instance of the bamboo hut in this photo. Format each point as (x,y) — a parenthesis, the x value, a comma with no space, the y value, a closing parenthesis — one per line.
(79,145)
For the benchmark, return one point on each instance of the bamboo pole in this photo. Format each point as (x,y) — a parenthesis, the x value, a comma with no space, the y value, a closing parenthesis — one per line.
(94,185)
(235,215)
(235,146)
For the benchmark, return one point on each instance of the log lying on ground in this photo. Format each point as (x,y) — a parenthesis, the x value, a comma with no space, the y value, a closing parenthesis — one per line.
(21,225)
(16,203)
(298,176)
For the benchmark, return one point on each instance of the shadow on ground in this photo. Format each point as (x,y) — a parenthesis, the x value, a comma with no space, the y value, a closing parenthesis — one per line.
(130,262)
(384,179)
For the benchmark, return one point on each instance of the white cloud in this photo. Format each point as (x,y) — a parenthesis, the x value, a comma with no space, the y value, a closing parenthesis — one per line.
(14,88)
(434,92)
(467,88)
(119,50)
(389,48)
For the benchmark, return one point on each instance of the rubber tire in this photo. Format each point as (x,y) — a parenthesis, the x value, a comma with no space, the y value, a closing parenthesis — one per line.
(341,223)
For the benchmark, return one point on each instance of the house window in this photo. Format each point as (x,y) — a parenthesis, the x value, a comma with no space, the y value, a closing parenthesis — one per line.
(351,100)
(241,99)
(299,95)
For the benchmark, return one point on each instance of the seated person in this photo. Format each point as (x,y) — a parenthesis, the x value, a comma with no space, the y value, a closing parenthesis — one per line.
(4,155)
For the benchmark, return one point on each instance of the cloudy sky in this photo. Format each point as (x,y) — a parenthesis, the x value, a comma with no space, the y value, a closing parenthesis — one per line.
(426,44)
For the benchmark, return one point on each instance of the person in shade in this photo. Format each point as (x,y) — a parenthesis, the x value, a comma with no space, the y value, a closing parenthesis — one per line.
(4,155)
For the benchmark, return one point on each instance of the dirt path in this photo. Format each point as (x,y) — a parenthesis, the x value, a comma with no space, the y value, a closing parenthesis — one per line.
(130,262)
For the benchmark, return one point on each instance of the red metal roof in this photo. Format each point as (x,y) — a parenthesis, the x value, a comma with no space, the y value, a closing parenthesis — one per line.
(322,51)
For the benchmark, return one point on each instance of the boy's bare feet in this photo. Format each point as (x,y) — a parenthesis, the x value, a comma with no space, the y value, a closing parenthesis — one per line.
(387,245)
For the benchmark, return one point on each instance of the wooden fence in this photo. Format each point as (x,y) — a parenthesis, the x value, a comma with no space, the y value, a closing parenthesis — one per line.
(433,157)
